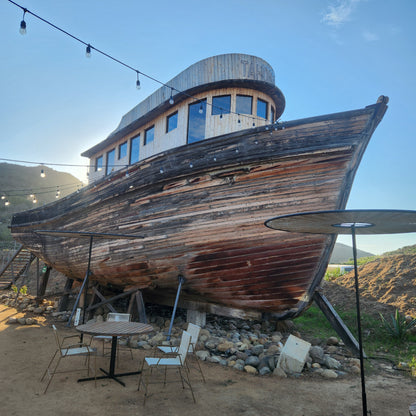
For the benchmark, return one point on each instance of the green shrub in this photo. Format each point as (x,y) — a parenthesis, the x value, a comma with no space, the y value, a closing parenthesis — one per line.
(398,326)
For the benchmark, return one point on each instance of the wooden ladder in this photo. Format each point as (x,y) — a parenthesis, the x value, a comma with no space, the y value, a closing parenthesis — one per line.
(15,267)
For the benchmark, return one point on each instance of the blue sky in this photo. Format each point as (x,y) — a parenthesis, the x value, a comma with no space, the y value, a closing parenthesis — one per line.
(328,56)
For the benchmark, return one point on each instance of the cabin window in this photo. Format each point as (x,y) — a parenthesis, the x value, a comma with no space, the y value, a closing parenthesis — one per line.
(221,104)
(134,149)
(122,150)
(149,135)
(272,114)
(111,155)
(261,108)
(196,121)
(171,122)
(244,104)
(99,163)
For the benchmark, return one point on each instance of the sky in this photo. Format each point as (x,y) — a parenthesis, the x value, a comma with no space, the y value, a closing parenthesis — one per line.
(328,56)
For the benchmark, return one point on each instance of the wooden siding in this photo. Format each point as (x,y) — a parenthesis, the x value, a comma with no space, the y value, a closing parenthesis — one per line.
(206,222)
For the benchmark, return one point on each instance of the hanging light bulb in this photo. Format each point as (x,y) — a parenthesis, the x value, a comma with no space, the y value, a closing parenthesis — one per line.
(3,197)
(42,173)
(22,29)
(57,195)
(201,110)
(6,203)
(138,81)
(35,200)
(171,100)
(32,195)
(88,51)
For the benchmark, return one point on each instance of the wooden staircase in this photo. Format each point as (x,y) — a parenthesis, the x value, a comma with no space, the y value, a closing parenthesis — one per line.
(15,267)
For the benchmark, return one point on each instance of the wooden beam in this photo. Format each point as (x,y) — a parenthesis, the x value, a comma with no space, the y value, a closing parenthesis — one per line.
(336,322)
(44,282)
(63,303)
(106,301)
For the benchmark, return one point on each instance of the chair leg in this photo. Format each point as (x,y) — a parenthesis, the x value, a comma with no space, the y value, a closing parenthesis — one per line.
(52,374)
(141,375)
(47,368)
(188,382)
(200,369)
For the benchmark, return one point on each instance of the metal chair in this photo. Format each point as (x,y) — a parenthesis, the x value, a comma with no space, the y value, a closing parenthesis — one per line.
(65,351)
(193,330)
(176,362)
(114,317)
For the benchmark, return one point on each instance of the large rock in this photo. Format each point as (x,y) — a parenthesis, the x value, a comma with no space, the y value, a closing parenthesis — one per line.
(293,356)
(317,354)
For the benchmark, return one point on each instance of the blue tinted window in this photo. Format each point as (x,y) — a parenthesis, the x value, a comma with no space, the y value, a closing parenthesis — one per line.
(149,135)
(172,122)
(196,121)
(98,163)
(272,114)
(111,155)
(243,104)
(134,149)
(261,108)
(122,150)
(221,104)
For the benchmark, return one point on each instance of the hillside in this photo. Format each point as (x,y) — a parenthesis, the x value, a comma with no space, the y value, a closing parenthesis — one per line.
(387,281)
(18,182)
(342,253)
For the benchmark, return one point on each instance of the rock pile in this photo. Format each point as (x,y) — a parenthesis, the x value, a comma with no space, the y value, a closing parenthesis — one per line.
(29,305)
(252,347)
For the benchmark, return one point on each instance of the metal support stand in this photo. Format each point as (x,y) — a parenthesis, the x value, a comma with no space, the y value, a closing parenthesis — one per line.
(181,281)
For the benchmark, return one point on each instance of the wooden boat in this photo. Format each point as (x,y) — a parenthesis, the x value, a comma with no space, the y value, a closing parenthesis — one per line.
(201,209)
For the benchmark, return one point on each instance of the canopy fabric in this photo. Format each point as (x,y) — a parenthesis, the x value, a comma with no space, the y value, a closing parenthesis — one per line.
(342,221)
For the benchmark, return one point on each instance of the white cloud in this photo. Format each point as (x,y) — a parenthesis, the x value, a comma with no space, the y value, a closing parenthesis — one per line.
(340,12)
(370,37)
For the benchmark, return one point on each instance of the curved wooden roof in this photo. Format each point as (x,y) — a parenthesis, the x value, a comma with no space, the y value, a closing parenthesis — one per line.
(221,71)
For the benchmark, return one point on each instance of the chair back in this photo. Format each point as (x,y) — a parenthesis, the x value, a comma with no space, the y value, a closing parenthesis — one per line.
(55,332)
(194,331)
(118,317)
(183,347)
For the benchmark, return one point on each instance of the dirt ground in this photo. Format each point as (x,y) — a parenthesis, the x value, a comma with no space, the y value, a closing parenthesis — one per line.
(26,350)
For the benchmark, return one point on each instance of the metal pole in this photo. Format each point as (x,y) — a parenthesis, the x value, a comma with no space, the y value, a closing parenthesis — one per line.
(181,280)
(360,341)
(84,284)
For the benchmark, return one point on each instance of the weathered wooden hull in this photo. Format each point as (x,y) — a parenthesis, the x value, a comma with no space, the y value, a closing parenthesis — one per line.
(201,209)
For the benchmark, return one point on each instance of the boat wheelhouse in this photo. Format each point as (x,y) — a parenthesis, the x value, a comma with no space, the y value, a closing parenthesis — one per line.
(216,96)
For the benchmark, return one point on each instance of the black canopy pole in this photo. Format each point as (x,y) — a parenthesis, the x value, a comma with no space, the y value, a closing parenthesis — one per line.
(357,302)
(84,288)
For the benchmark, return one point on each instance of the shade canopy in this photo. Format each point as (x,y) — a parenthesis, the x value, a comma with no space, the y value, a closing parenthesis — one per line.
(77,234)
(342,221)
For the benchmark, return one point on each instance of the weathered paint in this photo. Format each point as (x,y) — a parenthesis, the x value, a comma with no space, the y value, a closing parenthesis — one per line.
(206,222)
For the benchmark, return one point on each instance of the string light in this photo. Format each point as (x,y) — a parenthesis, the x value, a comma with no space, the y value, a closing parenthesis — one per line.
(89,47)
(6,203)
(42,173)
(201,110)
(138,81)
(171,100)
(88,51)
(22,29)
